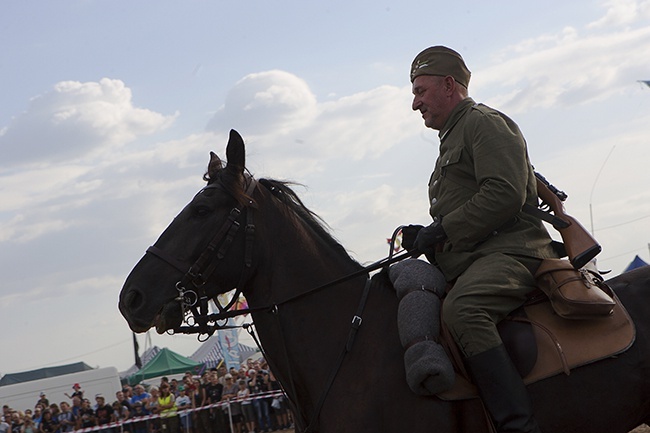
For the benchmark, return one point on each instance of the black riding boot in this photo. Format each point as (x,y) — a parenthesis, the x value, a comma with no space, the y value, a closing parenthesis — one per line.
(503,391)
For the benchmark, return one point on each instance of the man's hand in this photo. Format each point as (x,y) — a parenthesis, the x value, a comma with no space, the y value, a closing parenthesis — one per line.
(409,233)
(431,235)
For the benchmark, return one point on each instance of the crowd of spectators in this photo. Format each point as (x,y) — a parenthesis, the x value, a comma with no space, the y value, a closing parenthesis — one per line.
(250,406)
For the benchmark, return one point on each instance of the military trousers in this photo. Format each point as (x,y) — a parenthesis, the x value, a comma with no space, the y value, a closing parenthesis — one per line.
(484,294)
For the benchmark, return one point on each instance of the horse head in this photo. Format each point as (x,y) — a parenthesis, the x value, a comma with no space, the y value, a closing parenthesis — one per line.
(202,253)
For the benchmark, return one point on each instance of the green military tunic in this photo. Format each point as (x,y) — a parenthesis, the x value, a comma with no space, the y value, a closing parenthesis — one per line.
(480,182)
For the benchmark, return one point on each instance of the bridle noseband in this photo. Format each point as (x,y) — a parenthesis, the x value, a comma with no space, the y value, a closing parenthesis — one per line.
(192,295)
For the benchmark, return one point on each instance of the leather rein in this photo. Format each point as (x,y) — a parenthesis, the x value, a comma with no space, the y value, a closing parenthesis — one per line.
(193,298)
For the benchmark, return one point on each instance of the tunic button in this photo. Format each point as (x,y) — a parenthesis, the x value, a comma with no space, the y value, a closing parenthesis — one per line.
(434,201)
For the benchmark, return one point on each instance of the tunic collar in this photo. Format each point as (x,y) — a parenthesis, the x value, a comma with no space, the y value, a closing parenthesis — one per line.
(456,114)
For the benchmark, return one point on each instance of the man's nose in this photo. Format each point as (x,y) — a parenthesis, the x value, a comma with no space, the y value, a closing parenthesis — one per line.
(416,103)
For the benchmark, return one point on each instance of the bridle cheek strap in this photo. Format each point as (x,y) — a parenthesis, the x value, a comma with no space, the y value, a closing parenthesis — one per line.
(194,301)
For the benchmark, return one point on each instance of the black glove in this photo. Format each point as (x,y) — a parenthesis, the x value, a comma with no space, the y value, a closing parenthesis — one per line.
(409,233)
(427,238)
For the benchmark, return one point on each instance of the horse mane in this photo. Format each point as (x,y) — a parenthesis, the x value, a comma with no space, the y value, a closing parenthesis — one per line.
(286,195)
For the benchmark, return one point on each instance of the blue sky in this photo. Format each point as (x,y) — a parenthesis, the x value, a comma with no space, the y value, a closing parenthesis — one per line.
(109,110)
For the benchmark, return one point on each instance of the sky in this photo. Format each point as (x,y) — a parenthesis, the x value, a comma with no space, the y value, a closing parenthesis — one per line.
(110,109)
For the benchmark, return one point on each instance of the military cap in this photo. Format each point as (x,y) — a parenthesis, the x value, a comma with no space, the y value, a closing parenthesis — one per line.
(441,61)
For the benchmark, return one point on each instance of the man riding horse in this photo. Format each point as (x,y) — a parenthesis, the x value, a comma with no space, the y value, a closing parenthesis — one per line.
(480,238)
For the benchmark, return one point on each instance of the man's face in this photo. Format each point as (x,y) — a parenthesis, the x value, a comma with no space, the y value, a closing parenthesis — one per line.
(430,99)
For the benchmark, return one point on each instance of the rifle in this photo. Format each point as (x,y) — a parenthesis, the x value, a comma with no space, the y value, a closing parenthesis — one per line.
(579,244)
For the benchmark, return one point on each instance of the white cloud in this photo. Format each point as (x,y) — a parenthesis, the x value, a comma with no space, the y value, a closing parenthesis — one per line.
(623,12)
(266,102)
(566,69)
(277,114)
(74,119)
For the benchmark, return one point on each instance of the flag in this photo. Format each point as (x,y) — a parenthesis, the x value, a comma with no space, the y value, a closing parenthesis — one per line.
(229,341)
(136,349)
(240,304)
(398,242)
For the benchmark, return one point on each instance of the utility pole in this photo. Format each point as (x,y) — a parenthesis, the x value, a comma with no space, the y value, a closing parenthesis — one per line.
(591,213)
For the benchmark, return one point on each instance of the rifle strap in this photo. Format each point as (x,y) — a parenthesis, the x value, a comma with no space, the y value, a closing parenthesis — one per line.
(555,221)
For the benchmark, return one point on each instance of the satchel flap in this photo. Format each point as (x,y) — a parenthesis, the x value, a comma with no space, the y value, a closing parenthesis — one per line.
(550,265)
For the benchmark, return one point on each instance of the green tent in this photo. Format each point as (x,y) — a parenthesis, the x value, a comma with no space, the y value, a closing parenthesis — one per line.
(166,362)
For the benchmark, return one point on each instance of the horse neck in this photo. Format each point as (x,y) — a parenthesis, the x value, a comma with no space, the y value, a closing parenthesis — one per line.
(296,264)
(295,258)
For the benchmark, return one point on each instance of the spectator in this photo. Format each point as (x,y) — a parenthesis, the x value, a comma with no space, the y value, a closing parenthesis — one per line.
(184,402)
(76,406)
(28,426)
(6,412)
(38,415)
(173,387)
(139,394)
(214,392)
(202,416)
(121,414)
(152,408)
(122,400)
(248,412)
(54,408)
(259,384)
(138,412)
(167,409)
(47,425)
(4,425)
(128,392)
(221,373)
(16,422)
(77,392)
(104,414)
(87,414)
(278,404)
(234,408)
(66,419)
(43,401)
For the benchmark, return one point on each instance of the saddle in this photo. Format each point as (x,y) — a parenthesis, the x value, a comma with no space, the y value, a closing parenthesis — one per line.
(543,344)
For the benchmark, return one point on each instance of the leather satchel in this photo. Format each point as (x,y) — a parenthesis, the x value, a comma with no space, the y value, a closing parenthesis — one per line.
(575,293)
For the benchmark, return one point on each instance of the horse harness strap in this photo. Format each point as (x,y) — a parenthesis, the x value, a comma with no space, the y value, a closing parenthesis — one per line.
(356,323)
(196,276)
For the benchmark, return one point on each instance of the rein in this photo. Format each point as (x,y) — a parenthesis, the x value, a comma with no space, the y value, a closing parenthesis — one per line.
(194,301)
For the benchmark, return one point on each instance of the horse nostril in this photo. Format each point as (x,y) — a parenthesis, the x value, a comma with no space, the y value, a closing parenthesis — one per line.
(133,300)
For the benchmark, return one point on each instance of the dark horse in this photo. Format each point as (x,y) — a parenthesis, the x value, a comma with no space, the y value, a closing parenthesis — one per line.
(283,253)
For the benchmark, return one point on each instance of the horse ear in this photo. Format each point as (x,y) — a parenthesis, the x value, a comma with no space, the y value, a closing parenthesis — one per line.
(235,152)
(214,166)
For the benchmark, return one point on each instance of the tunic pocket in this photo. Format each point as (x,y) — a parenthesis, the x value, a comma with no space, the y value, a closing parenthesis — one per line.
(452,170)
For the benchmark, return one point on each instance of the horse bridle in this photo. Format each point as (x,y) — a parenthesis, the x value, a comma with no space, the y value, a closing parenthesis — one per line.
(192,296)
(194,301)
